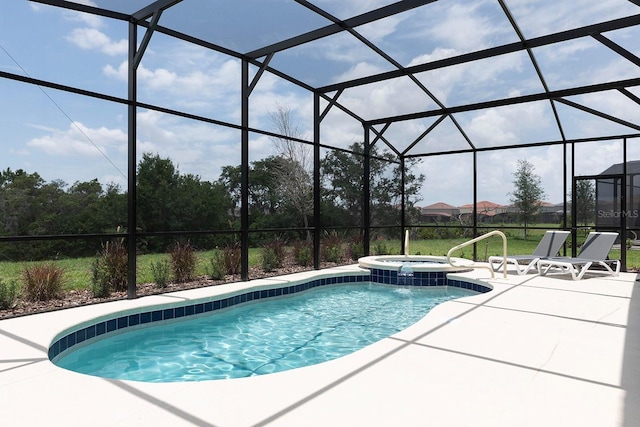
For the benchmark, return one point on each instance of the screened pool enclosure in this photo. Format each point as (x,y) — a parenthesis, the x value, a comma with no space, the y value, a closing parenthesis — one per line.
(302,120)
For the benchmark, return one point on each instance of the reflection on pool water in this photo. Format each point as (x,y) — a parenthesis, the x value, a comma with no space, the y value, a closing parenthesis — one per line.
(260,338)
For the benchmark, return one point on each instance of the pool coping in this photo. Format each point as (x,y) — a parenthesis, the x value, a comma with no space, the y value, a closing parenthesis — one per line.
(573,361)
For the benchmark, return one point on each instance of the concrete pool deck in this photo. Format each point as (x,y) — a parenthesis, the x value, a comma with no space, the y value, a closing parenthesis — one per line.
(535,351)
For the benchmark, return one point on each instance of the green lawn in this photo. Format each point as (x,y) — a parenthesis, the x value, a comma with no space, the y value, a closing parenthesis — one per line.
(78,271)
(493,246)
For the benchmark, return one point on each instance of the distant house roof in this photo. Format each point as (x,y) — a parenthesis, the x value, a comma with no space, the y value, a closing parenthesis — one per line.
(484,207)
(440,209)
(440,205)
(633,167)
(546,206)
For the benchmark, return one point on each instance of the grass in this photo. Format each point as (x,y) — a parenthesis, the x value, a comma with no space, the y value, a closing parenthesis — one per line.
(78,270)
(493,246)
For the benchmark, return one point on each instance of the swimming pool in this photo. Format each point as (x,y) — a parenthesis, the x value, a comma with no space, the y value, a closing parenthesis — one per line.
(260,338)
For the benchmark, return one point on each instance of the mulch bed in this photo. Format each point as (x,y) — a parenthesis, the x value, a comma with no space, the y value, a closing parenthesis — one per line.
(81,297)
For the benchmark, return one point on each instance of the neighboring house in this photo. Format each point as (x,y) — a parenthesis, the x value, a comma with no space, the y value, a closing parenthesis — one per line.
(550,213)
(608,209)
(486,211)
(439,212)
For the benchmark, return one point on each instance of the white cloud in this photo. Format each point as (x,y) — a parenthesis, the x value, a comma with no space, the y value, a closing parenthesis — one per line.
(360,69)
(509,125)
(458,26)
(492,128)
(460,22)
(594,158)
(438,53)
(80,140)
(378,30)
(539,17)
(199,83)
(196,148)
(91,20)
(119,73)
(612,103)
(351,7)
(93,39)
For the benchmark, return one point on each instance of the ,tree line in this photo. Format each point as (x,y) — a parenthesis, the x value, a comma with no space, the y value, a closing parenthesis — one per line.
(280,196)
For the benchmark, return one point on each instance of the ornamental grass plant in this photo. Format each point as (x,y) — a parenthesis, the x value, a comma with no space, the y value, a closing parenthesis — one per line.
(183,261)
(42,282)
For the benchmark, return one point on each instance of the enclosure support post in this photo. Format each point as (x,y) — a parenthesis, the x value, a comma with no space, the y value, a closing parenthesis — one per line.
(574,229)
(366,191)
(244,167)
(565,188)
(316,181)
(403,209)
(627,186)
(475,201)
(131,163)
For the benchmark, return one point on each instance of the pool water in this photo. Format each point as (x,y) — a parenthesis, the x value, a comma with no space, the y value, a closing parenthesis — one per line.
(262,337)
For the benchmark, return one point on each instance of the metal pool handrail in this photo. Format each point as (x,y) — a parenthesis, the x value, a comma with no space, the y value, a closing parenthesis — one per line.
(477,239)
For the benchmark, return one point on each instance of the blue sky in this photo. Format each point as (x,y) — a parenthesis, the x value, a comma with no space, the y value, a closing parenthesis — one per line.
(74,138)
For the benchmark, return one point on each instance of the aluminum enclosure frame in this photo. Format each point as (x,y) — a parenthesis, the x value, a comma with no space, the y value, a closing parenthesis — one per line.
(149,19)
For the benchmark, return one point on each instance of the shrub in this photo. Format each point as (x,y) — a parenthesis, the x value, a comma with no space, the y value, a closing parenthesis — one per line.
(109,269)
(332,248)
(273,254)
(216,266)
(303,253)
(230,259)
(8,294)
(42,282)
(183,261)
(428,234)
(160,272)
(100,286)
(380,248)
(269,260)
(356,248)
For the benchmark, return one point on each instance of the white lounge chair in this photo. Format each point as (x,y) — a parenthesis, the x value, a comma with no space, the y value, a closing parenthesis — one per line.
(549,246)
(594,252)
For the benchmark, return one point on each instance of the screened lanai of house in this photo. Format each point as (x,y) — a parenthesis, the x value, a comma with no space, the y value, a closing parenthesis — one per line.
(457,91)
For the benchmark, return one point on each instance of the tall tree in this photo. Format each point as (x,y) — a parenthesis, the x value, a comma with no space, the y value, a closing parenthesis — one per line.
(19,192)
(528,193)
(294,174)
(268,205)
(157,193)
(343,175)
(585,200)
(169,201)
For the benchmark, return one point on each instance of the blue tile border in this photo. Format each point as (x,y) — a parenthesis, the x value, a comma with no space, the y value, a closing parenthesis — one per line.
(423,278)
(121,322)
(478,287)
(158,315)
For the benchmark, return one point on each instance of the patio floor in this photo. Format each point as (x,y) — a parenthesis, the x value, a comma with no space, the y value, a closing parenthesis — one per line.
(536,351)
